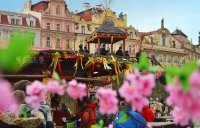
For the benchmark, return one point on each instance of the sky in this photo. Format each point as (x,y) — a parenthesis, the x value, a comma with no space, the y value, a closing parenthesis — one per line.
(144,15)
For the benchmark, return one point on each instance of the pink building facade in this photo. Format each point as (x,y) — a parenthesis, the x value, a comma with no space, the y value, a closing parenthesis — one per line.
(56,22)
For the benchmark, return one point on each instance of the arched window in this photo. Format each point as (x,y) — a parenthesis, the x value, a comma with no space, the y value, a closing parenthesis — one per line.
(131,35)
(83,29)
(57,10)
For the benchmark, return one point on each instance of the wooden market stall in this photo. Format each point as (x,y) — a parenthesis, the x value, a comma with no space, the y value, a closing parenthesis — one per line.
(107,33)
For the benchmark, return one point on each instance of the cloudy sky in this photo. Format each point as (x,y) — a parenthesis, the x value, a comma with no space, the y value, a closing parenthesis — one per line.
(144,15)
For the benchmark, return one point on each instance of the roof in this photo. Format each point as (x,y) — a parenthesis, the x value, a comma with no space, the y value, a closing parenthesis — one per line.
(179,32)
(42,5)
(142,34)
(87,14)
(4,18)
(107,33)
(109,27)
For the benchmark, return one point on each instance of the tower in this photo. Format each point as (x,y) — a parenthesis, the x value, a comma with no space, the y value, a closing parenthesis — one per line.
(27,5)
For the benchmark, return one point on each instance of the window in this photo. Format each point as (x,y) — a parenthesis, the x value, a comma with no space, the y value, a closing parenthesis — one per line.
(48,42)
(48,26)
(83,29)
(67,28)
(131,35)
(57,10)
(174,44)
(12,21)
(58,27)
(17,21)
(163,40)
(129,48)
(31,23)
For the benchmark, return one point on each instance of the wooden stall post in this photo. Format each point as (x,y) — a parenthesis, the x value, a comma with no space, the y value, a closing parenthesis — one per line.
(124,48)
(98,50)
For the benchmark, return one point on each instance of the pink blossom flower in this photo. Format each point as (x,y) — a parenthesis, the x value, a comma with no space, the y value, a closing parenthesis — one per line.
(127,91)
(186,100)
(7,101)
(180,117)
(145,84)
(36,94)
(138,102)
(55,88)
(108,102)
(76,90)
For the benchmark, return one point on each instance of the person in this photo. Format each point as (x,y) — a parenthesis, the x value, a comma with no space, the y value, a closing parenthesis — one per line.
(30,112)
(127,54)
(135,120)
(81,49)
(119,51)
(88,114)
(45,108)
(86,50)
(103,50)
(148,114)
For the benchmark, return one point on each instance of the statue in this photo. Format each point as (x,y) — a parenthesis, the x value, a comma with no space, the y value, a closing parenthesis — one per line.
(121,15)
(162,23)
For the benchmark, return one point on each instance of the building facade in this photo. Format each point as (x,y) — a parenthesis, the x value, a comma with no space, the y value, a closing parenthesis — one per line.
(57,24)
(168,48)
(92,18)
(11,21)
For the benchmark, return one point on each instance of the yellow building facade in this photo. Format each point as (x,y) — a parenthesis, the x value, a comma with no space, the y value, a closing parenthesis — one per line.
(92,18)
(168,48)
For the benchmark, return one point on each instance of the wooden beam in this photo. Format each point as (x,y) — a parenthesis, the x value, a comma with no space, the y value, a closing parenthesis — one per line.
(98,50)
(124,48)
(89,47)
(25,76)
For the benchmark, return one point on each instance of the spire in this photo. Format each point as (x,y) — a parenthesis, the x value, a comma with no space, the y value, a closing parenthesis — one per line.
(162,23)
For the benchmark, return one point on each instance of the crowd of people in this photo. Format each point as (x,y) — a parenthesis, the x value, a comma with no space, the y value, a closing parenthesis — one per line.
(104,50)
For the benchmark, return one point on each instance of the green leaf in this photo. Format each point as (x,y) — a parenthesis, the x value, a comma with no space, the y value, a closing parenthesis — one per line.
(154,68)
(56,76)
(143,62)
(100,125)
(18,52)
(90,59)
(169,78)
(124,118)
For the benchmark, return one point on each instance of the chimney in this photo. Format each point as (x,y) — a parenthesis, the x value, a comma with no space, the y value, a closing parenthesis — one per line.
(86,6)
(27,5)
(99,7)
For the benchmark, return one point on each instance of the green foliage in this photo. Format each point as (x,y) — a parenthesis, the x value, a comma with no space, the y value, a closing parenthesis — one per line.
(18,52)
(99,125)
(144,64)
(124,118)
(23,112)
(56,76)
(182,74)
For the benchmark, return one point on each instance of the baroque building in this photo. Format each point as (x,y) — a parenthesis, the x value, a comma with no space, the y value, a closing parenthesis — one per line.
(91,18)
(11,21)
(168,48)
(57,24)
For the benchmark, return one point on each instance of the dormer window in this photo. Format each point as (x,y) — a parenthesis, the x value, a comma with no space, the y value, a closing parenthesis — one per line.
(13,21)
(131,35)
(31,23)
(17,21)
